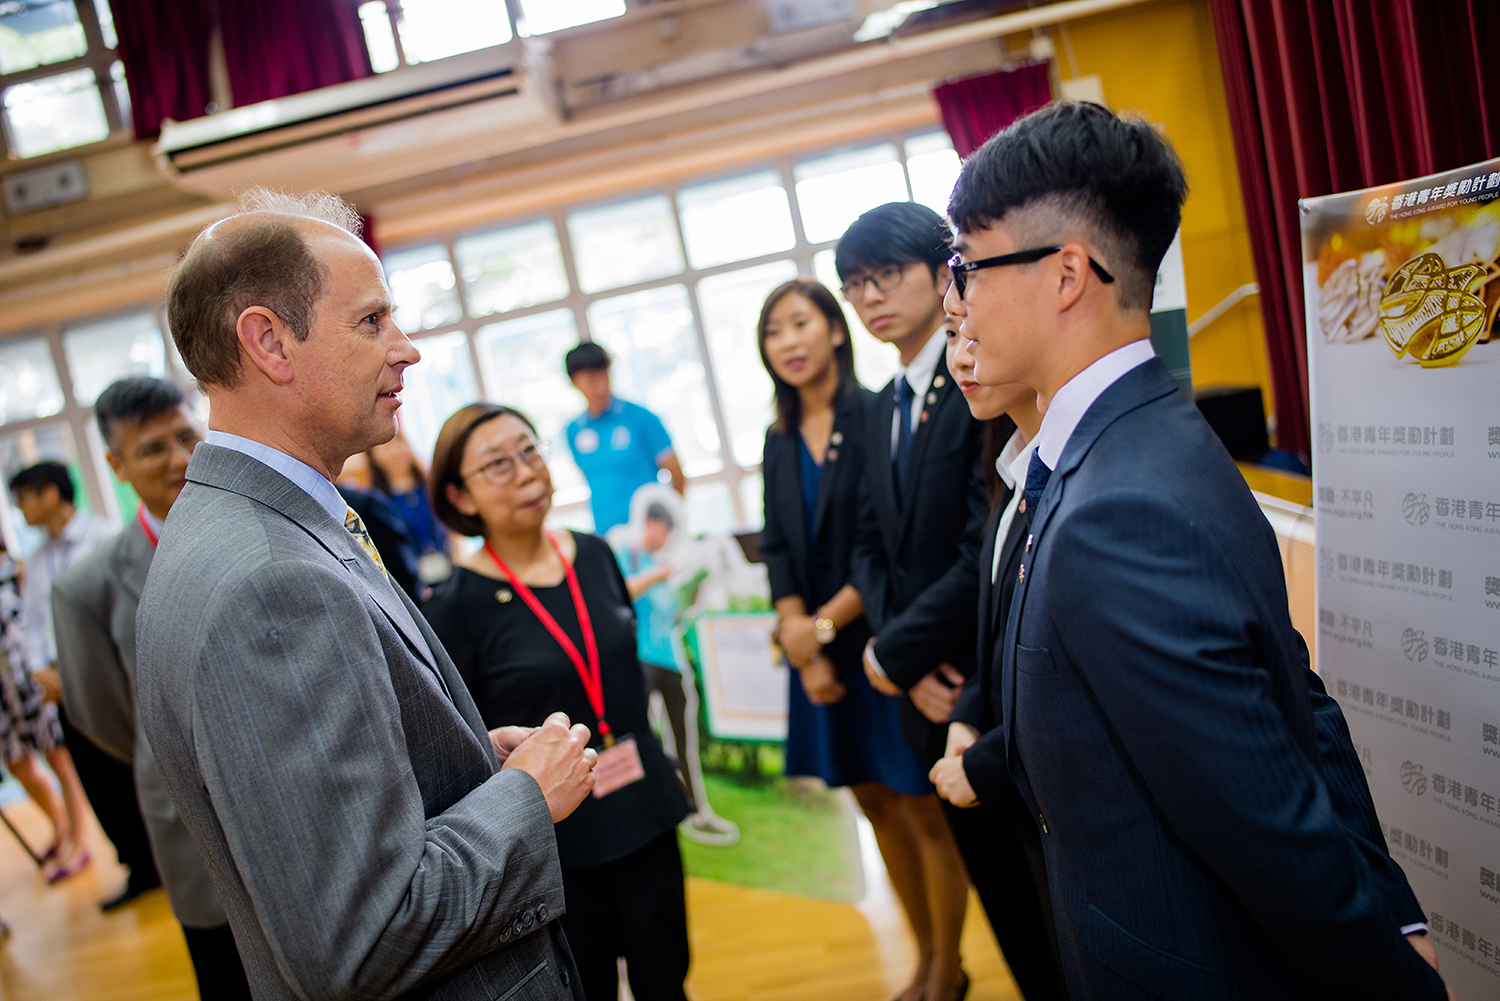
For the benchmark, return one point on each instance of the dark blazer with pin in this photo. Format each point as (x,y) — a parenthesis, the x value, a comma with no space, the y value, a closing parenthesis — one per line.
(795,567)
(915,560)
(1160,726)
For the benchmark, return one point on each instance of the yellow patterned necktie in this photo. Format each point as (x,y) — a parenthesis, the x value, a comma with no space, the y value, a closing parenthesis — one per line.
(357,529)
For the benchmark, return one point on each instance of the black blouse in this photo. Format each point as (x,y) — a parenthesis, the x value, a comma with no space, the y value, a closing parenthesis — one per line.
(519,675)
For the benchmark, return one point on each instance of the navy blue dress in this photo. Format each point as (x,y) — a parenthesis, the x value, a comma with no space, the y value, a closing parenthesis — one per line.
(810,518)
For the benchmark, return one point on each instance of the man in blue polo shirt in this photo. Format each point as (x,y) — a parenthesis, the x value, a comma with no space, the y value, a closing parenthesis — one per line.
(618,445)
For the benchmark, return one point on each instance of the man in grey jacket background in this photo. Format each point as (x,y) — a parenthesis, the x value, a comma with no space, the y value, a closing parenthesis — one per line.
(366,834)
(149,436)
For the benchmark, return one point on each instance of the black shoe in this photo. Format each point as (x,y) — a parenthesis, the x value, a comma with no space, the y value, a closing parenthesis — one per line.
(133,888)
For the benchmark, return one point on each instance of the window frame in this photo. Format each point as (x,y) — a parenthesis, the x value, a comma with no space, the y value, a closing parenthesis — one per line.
(97,57)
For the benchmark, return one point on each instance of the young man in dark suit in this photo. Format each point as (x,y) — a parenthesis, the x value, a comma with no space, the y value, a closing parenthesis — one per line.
(915,551)
(1203,833)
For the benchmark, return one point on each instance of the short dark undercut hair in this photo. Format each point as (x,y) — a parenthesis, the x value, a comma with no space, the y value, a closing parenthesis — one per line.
(894,233)
(1077,168)
(134,399)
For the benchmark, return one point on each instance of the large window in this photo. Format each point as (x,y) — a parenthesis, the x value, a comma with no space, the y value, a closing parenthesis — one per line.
(407,32)
(671,282)
(60,83)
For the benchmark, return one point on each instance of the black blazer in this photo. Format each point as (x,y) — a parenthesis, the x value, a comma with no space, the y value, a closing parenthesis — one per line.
(1159,722)
(916,556)
(793,567)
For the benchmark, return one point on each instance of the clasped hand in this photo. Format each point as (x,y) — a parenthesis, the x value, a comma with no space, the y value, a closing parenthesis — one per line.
(556,754)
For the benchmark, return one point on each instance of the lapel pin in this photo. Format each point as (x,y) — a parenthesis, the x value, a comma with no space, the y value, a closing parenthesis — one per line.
(504,595)
(931,398)
(833,454)
(938,381)
(837,438)
(1022,579)
(1021,508)
(924,417)
(1029,537)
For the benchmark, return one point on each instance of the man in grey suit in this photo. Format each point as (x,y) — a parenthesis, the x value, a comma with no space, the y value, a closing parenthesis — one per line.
(149,435)
(366,834)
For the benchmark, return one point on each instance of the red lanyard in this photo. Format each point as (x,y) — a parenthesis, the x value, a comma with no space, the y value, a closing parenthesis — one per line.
(146,526)
(593,684)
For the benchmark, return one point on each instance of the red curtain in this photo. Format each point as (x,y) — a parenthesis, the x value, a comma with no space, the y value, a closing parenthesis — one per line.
(977,107)
(275,48)
(1331,95)
(164,47)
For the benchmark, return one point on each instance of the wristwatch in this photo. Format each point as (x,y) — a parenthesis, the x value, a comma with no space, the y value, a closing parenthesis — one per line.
(823,630)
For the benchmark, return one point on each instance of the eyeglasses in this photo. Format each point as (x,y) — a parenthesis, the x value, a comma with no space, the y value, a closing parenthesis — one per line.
(961,269)
(885,278)
(502,469)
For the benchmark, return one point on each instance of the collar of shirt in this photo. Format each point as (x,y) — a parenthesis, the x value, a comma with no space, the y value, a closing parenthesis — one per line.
(152,520)
(1073,400)
(615,408)
(1012,469)
(318,487)
(1018,449)
(924,366)
(75,530)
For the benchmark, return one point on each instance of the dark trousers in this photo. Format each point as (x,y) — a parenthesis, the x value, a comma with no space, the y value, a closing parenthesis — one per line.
(110,787)
(668,684)
(633,907)
(216,962)
(1003,854)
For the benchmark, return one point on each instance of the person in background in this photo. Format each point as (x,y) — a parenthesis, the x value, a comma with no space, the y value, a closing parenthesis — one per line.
(1015,899)
(644,560)
(535,620)
(44,493)
(838,727)
(915,559)
(1159,718)
(28,727)
(617,444)
(390,533)
(149,436)
(396,472)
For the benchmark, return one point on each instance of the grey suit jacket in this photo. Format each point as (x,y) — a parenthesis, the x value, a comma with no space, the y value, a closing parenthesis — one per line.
(93,610)
(329,762)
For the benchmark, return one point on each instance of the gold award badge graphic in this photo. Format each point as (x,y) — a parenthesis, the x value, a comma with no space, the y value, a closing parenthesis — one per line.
(1431,312)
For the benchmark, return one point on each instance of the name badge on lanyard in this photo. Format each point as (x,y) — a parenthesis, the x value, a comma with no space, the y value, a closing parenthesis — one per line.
(619,762)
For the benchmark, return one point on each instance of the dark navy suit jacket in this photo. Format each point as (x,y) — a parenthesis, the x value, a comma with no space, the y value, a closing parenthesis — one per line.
(1160,726)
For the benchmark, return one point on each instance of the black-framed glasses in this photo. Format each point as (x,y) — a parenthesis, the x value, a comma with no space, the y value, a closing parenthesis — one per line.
(961,269)
(502,469)
(885,278)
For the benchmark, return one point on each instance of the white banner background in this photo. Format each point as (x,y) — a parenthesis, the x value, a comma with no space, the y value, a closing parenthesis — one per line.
(1407,490)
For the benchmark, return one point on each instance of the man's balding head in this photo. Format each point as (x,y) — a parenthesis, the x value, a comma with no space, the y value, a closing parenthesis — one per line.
(258,257)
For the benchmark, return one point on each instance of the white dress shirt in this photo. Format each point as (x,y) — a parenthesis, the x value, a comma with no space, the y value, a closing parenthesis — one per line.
(1072,401)
(317,486)
(1011,466)
(919,375)
(80,536)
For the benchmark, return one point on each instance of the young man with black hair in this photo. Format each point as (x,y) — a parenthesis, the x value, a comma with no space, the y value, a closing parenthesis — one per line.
(915,555)
(149,435)
(1206,826)
(617,444)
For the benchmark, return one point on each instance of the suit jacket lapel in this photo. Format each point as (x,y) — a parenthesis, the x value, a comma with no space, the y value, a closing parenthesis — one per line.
(942,398)
(132,559)
(879,475)
(230,470)
(844,420)
(789,500)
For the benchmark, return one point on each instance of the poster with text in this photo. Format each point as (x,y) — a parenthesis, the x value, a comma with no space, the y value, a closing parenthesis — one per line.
(1403,288)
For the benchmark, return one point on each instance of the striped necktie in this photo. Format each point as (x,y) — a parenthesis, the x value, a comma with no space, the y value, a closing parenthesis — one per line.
(357,529)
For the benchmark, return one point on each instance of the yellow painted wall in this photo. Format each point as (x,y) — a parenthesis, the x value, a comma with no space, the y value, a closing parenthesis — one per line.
(1161,60)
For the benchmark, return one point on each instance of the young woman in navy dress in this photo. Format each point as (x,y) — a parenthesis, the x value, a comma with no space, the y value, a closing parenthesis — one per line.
(838,727)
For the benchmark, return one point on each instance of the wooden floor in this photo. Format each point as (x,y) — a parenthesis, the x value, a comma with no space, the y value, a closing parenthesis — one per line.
(748,945)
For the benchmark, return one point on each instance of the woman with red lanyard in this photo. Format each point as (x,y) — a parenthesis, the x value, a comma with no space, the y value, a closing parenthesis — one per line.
(539,621)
